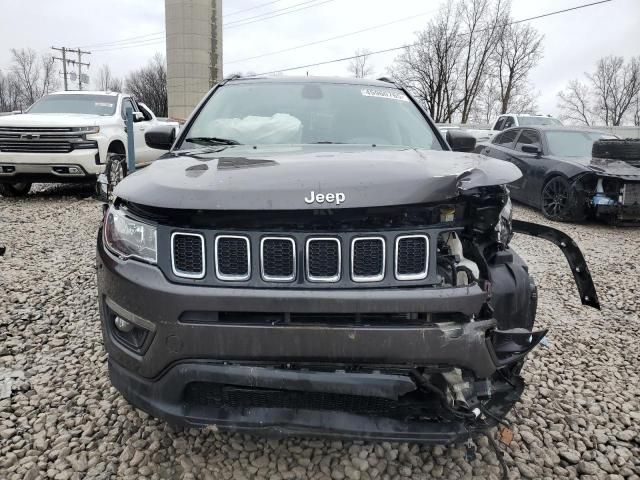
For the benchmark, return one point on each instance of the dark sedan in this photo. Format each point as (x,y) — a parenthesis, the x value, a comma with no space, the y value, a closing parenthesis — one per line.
(561,177)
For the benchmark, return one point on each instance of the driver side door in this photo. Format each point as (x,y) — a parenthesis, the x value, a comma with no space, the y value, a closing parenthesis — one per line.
(533,166)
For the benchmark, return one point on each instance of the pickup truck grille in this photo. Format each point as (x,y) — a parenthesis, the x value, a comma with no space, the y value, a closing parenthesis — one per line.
(42,140)
(300,259)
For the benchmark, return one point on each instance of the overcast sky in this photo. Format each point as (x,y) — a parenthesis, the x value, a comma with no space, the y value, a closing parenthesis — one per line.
(572,44)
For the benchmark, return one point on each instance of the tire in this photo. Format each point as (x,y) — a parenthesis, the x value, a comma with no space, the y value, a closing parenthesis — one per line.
(14,189)
(115,171)
(559,202)
(628,149)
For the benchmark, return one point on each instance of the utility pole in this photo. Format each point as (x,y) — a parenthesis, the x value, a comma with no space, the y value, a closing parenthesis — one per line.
(80,64)
(64,64)
(65,61)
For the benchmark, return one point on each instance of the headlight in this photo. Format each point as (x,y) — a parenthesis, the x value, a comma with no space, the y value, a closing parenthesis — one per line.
(86,129)
(129,238)
(504,228)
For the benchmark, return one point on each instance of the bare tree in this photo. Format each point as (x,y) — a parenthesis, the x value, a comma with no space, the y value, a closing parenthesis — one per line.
(50,81)
(106,81)
(358,66)
(575,103)
(9,93)
(428,68)
(487,104)
(32,75)
(635,112)
(518,51)
(615,85)
(483,23)
(149,85)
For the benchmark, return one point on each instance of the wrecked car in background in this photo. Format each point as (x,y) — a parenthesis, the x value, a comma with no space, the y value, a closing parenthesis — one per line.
(571,174)
(311,257)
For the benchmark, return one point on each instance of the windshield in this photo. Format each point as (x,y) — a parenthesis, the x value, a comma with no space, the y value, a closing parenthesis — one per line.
(307,113)
(528,121)
(82,103)
(573,144)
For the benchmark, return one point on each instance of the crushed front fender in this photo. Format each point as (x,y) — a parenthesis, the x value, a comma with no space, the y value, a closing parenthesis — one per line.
(571,251)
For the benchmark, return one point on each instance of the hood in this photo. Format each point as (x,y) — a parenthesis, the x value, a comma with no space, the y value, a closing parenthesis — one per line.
(50,120)
(291,178)
(628,169)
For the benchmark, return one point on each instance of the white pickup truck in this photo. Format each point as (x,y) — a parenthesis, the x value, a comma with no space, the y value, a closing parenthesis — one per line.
(70,137)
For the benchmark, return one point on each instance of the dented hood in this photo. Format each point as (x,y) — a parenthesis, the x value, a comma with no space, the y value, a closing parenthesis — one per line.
(280,178)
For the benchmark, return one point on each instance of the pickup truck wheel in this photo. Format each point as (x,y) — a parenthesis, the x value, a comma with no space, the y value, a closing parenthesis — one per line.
(14,189)
(115,171)
(559,201)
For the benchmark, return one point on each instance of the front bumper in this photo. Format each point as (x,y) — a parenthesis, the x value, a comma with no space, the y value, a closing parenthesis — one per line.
(318,370)
(76,166)
(165,398)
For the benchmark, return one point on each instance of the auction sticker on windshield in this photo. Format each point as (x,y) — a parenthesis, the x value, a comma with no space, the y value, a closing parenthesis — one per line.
(384,93)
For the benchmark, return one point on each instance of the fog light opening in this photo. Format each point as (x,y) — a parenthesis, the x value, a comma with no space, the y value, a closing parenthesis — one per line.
(122,325)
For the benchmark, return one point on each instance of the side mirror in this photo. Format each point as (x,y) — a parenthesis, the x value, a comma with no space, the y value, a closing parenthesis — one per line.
(532,149)
(138,116)
(160,137)
(461,141)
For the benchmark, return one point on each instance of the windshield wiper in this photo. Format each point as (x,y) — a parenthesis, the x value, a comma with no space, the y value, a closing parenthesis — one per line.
(212,141)
(327,142)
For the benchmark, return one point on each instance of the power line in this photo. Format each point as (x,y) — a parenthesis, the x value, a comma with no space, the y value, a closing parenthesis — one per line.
(144,43)
(404,19)
(250,8)
(124,40)
(270,15)
(386,50)
(158,37)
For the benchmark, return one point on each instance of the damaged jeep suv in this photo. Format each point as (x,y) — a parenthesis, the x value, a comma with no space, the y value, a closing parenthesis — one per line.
(311,257)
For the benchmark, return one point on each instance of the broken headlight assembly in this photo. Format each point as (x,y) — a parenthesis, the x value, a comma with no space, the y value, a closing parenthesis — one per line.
(504,227)
(129,238)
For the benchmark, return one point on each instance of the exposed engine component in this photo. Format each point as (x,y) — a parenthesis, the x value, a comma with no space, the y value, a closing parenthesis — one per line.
(456,268)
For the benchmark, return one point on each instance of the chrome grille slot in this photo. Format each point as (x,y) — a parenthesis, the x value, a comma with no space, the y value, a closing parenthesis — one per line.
(278,259)
(187,255)
(367,259)
(323,259)
(232,258)
(412,257)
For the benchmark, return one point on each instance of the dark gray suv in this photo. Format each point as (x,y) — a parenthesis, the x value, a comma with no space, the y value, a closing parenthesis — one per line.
(311,257)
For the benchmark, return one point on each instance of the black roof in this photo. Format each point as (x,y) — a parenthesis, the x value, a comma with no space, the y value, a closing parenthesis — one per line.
(306,79)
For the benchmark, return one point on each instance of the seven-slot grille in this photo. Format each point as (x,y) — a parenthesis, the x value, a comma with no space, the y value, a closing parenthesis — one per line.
(233,257)
(323,259)
(278,257)
(367,259)
(187,255)
(412,257)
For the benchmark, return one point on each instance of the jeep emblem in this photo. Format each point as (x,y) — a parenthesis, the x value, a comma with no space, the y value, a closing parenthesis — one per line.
(336,198)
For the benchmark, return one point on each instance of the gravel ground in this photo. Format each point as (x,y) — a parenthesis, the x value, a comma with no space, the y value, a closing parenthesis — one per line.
(579,416)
